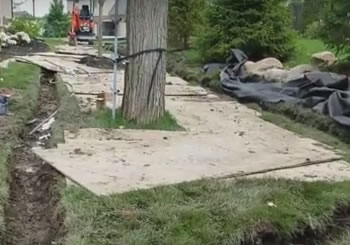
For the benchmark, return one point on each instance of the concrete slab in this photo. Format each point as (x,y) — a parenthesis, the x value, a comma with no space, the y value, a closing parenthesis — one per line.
(221,138)
(97,83)
(60,65)
(334,171)
(115,161)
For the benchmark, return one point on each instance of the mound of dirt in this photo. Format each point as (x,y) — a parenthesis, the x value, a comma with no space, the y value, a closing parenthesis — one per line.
(96,62)
(20,50)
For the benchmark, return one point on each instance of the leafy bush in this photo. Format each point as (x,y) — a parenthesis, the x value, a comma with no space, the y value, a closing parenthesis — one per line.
(314,10)
(185,20)
(335,27)
(260,28)
(30,26)
(313,30)
(57,22)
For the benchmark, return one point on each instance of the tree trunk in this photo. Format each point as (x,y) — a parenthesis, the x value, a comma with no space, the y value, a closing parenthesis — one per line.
(144,90)
(100,18)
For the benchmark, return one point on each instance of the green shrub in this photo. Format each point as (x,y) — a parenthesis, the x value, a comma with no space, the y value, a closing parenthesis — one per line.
(260,28)
(313,30)
(57,22)
(185,20)
(30,26)
(335,28)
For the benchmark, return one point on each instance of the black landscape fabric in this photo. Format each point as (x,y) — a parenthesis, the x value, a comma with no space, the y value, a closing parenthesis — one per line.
(325,92)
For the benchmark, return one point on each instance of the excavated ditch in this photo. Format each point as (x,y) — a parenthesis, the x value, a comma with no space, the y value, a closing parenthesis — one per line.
(33,215)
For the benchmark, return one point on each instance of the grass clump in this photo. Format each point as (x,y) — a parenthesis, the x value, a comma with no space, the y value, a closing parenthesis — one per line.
(4,192)
(103,119)
(343,240)
(203,212)
(18,76)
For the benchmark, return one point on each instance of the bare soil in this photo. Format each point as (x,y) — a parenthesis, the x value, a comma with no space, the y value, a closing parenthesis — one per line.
(96,62)
(33,215)
(20,50)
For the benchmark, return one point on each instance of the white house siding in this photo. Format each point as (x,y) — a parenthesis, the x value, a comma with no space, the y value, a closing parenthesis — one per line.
(5,10)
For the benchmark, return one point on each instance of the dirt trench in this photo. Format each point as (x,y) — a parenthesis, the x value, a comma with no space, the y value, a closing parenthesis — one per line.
(33,215)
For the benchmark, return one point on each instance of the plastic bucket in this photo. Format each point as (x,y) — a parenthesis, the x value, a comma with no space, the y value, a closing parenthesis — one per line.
(3,105)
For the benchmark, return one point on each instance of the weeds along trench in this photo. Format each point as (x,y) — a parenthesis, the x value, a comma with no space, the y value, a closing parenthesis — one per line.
(33,215)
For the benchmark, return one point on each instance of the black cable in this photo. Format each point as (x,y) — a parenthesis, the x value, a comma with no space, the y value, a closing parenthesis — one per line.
(153,77)
(120,59)
(158,50)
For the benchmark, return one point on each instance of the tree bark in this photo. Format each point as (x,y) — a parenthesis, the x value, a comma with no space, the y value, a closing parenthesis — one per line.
(100,17)
(144,90)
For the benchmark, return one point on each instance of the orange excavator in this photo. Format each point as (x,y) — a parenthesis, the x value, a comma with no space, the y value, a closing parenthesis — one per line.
(82,24)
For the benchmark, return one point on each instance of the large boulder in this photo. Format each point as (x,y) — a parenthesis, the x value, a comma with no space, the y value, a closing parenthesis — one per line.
(23,37)
(275,75)
(254,68)
(11,42)
(302,69)
(299,71)
(269,69)
(3,39)
(325,58)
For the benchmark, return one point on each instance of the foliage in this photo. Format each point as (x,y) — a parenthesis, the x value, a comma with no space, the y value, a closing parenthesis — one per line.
(313,30)
(53,42)
(297,8)
(30,26)
(305,48)
(260,28)
(185,20)
(204,212)
(314,10)
(57,22)
(335,28)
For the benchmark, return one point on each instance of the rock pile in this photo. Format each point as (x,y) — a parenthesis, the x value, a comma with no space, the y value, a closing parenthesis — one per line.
(14,39)
(272,70)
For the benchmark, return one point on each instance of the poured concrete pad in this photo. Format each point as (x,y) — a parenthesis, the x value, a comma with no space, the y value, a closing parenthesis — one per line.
(60,65)
(333,171)
(102,82)
(114,161)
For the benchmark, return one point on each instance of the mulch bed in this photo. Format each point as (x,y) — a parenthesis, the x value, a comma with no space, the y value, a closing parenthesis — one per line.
(20,50)
(101,63)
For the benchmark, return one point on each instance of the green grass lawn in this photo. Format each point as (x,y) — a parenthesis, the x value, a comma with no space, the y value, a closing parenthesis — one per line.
(54,42)
(18,75)
(305,48)
(193,57)
(202,212)
(23,79)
